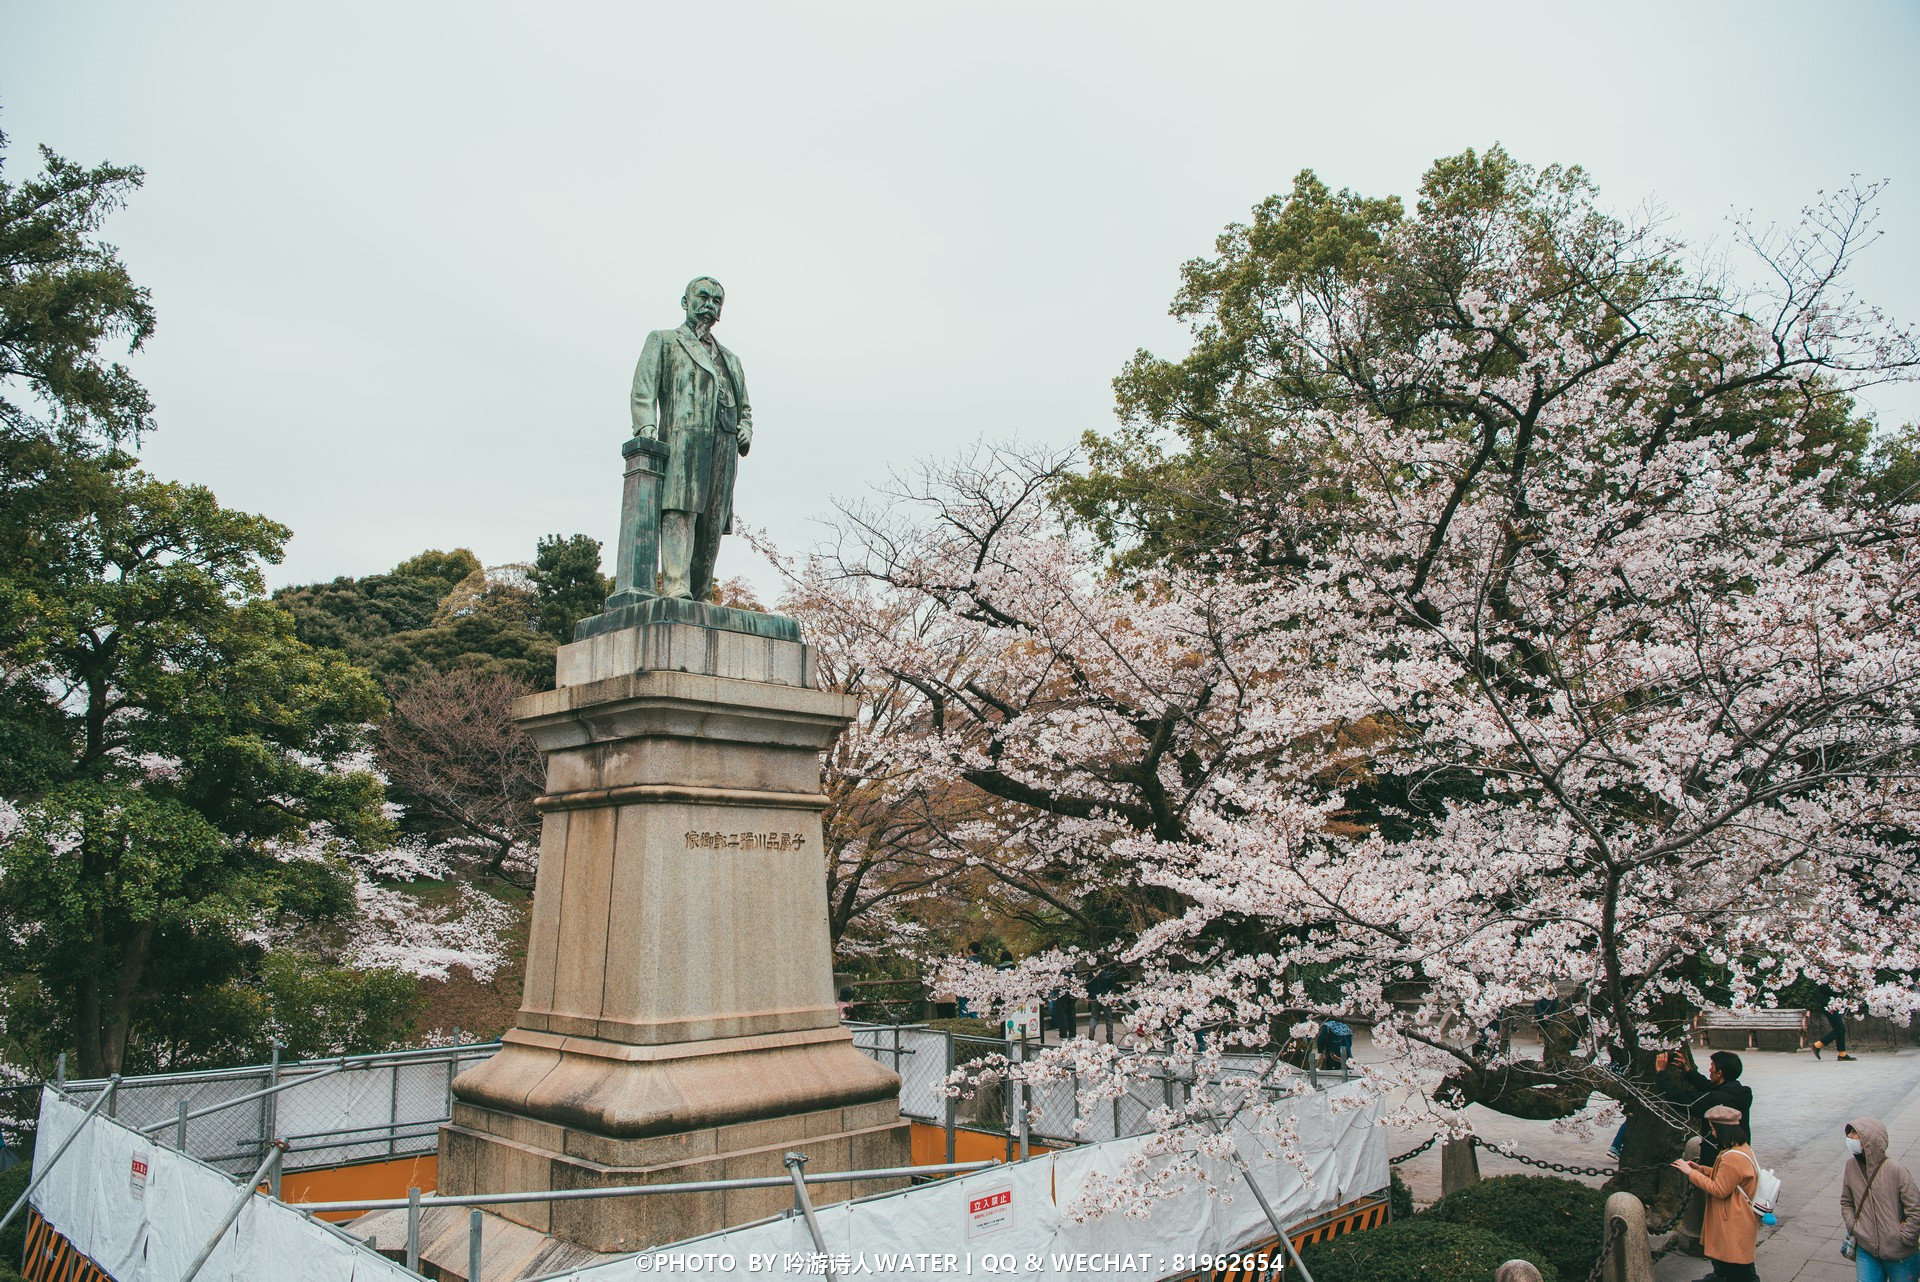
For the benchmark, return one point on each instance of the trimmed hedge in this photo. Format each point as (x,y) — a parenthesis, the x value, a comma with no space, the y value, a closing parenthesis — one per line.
(1563,1220)
(13,1243)
(1421,1249)
(1399,1196)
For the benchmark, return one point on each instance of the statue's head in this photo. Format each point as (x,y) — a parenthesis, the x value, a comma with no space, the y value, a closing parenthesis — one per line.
(703,300)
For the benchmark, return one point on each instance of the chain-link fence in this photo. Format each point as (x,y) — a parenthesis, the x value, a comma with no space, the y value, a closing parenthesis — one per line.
(367,1107)
(1063,1112)
(330,1112)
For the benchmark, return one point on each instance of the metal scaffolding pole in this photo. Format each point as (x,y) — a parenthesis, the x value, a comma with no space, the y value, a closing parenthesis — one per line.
(113,1085)
(794,1163)
(233,1212)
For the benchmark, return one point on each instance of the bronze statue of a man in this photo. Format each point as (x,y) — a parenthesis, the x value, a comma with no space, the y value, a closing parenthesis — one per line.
(689,394)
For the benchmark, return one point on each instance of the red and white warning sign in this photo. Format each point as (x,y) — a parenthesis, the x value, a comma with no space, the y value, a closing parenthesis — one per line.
(137,1177)
(989,1210)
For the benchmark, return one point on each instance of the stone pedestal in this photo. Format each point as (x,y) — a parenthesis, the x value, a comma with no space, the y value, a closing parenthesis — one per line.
(679,1019)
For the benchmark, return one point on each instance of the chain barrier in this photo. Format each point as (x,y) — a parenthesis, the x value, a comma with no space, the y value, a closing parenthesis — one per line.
(1675,1242)
(1562,1167)
(1616,1230)
(1414,1152)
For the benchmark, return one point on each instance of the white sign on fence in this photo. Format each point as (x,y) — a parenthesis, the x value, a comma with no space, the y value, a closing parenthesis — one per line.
(137,1177)
(1023,1019)
(989,1210)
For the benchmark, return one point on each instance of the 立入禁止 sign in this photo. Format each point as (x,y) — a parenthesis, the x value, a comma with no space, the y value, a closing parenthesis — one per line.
(989,1210)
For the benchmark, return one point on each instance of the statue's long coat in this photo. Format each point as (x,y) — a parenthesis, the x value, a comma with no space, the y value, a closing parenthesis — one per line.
(676,399)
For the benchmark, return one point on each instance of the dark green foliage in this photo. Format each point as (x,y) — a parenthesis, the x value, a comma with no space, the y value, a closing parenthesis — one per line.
(1893,467)
(1564,1220)
(165,736)
(1223,440)
(1421,1249)
(313,1008)
(176,726)
(13,1242)
(34,748)
(356,616)
(63,294)
(566,574)
(1399,1196)
(435,612)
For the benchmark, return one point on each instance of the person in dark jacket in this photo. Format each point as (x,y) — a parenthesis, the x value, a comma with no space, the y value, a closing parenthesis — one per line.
(1334,1043)
(1836,1034)
(1680,1083)
(1720,1087)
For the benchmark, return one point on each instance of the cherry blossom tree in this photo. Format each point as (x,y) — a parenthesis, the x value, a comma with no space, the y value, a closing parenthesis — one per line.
(465,773)
(1578,668)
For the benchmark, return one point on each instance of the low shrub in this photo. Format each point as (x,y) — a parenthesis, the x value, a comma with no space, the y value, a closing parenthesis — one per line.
(1563,1220)
(1421,1249)
(13,1243)
(1399,1196)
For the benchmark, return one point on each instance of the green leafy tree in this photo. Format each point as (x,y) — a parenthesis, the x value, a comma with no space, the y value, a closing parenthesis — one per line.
(489,622)
(63,294)
(566,574)
(310,1007)
(435,612)
(169,749)
(1334,301)
(358,616)
(64,297)
(1893,467)
(200,738)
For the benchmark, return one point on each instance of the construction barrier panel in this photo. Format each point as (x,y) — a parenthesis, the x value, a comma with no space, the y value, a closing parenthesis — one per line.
(1027,1219)
(140,1212)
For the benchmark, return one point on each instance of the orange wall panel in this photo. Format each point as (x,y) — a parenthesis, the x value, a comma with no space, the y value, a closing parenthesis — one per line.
(930,1145)
(367,1179)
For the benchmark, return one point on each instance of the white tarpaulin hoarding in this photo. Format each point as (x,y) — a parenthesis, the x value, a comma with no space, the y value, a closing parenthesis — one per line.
(148,1226)
(1029,1212)
(1024,1218)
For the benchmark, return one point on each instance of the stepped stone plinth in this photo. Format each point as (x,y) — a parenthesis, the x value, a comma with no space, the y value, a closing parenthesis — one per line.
(679,1020)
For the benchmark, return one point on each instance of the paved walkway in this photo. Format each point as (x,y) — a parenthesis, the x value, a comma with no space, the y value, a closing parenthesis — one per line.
(1801,1108)
(1805,1245)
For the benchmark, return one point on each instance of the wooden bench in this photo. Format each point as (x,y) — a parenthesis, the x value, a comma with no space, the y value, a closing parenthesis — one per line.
(1762,1030)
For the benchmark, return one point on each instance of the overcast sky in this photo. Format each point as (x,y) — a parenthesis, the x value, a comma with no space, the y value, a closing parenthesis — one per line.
(404,255)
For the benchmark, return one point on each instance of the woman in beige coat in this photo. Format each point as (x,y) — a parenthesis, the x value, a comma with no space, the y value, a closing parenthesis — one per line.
(1731,1226)
(1880,1207)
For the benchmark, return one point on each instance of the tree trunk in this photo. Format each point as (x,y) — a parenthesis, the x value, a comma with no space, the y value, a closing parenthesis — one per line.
(1651,1142)
(133,964)
(86,1026)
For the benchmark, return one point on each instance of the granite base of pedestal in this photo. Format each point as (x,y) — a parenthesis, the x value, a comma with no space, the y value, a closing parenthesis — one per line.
(678,1020)
(486,1151)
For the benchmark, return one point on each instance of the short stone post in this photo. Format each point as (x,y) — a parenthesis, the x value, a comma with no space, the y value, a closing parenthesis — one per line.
(637,559)
(1630,1258)
(1459,1165)
(1517,1271)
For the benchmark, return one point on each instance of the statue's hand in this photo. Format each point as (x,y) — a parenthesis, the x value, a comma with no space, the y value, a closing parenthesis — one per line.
(746,440)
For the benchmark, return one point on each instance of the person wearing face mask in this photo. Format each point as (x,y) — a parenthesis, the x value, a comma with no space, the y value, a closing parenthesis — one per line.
(1880,1206)
(1730,1228)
